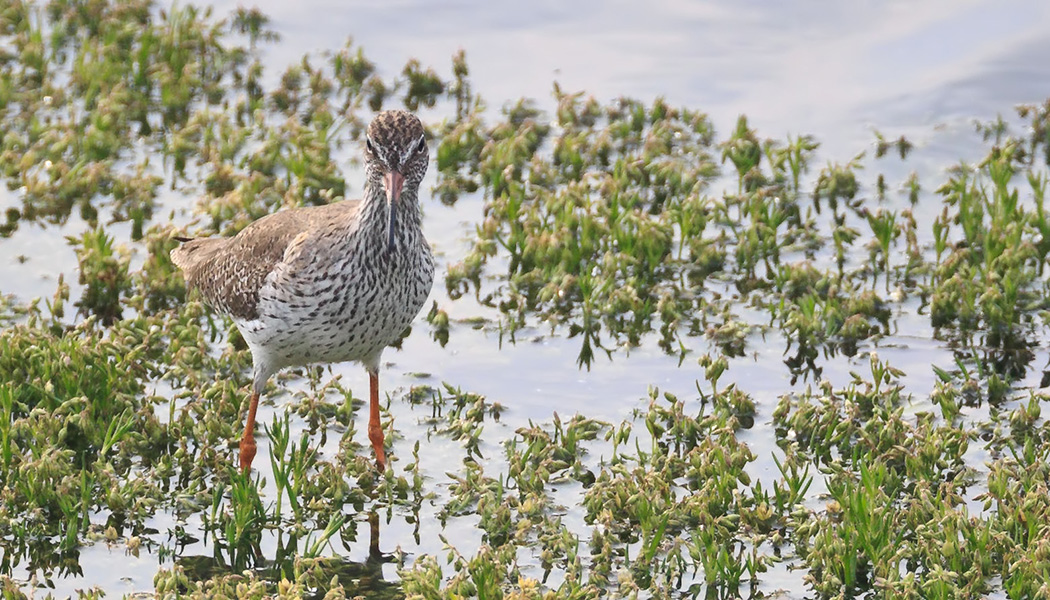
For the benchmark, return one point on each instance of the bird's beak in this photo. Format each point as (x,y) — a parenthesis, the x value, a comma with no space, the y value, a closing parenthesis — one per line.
(393,181)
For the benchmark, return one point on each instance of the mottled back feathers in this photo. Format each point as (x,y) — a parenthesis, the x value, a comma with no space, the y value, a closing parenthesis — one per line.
(229,272)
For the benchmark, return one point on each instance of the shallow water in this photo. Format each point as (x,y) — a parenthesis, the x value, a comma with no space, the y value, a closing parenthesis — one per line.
(832,70)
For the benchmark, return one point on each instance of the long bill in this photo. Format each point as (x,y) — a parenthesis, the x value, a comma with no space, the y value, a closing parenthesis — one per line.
(393,181)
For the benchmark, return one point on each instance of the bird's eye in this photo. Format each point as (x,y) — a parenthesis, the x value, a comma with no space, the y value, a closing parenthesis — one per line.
(368,145)
(421,147)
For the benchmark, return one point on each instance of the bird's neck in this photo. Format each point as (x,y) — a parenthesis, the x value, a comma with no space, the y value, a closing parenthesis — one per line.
(376,215)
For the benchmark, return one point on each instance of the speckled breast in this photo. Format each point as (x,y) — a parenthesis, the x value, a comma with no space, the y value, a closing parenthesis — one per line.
(346,311)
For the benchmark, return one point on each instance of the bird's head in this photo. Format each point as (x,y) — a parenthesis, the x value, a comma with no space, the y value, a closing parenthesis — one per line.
(396,159)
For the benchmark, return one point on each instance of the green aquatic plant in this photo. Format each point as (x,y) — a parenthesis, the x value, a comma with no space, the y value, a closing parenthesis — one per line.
(597,238)
(104,273)
(988,282)
(886,230)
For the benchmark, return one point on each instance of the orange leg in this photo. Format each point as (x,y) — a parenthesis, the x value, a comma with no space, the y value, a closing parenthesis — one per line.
(375,430)
(248,439)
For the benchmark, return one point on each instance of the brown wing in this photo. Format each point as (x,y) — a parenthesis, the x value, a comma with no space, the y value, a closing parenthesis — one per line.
(229,272)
